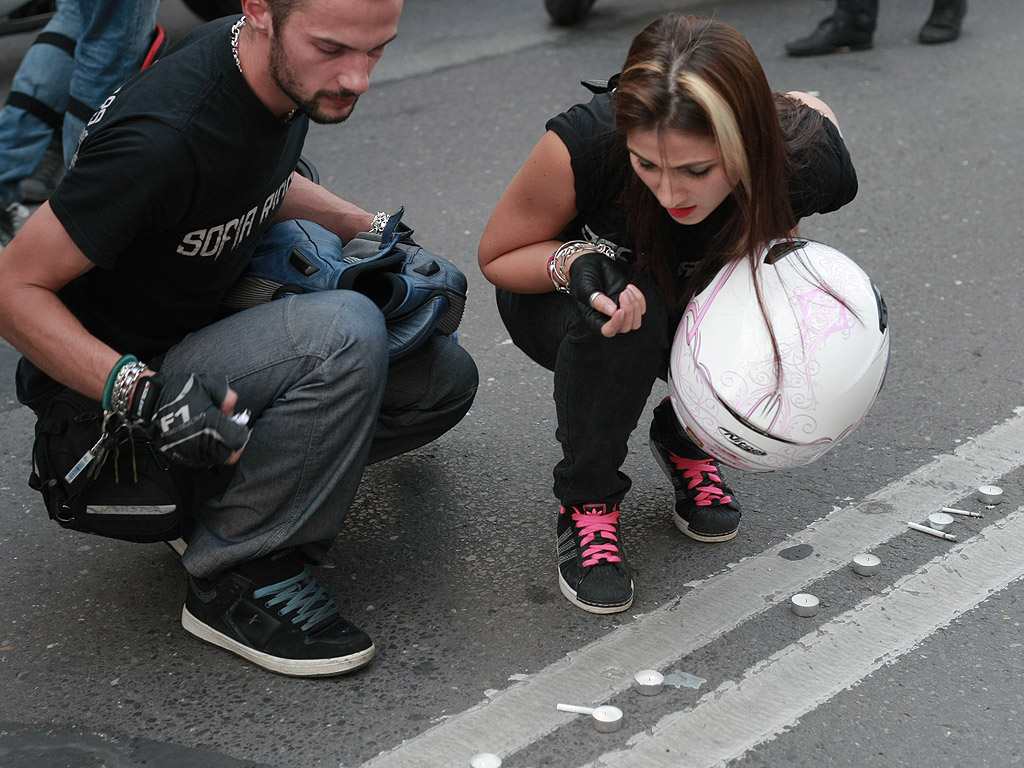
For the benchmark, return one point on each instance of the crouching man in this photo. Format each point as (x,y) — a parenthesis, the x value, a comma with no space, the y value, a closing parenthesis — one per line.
(113,289)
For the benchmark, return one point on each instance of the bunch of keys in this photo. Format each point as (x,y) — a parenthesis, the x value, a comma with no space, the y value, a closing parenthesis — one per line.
(93,458)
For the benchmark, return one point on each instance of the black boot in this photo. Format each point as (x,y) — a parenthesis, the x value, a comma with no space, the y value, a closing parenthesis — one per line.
(849,28)
(943,26)
(566,12)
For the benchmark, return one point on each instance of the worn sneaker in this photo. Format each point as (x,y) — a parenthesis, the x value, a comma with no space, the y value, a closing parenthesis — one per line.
(178,546)
(272,612)
(592,570)
(11,218)
(38,187)
(705,507)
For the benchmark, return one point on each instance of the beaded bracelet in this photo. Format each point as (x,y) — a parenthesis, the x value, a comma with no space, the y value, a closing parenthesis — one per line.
(108,390)
(558,259)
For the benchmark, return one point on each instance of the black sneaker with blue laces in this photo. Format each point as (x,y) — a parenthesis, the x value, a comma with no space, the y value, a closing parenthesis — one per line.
(273,612)
(592,570)
(706,509)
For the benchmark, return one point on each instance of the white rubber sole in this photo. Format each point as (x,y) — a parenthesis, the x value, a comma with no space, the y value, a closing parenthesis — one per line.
(570,595)
(684,526)
(294,667)
(178,545)
(681,524)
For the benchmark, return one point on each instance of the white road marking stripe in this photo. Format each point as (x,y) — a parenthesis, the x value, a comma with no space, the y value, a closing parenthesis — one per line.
(525,711)
(775,693)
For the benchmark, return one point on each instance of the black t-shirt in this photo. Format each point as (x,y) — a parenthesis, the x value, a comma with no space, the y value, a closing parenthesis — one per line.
(179,175)
(827,182)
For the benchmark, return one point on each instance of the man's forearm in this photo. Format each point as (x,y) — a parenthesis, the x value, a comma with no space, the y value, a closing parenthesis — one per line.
(306,200)
(56,342)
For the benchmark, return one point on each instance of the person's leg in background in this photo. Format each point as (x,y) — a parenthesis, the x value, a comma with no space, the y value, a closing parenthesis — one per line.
(115,38)
(851,27)
(35,108)
(943,24)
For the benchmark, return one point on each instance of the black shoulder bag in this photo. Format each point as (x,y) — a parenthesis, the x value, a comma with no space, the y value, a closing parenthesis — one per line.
(123,488)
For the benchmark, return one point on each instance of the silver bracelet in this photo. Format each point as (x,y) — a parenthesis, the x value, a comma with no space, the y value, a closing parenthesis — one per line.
(556,264)
(560,281)
(124,384)
(380,219)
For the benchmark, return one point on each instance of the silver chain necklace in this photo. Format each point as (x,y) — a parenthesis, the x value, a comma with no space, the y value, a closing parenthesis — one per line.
(236,32)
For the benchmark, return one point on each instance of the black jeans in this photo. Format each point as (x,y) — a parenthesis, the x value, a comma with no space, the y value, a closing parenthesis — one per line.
(601,385)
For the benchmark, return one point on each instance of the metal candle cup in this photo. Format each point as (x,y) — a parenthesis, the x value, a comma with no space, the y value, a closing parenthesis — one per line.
(866,564)
(940,521)
(648,682)
(990,494)
(485,760)
(607,718)
(803,604)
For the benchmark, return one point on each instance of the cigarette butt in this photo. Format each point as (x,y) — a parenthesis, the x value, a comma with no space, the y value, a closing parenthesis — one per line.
(932,531)
(952,511)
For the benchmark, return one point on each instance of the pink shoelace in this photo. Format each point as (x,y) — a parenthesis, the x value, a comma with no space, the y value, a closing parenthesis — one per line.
(591,526)
(699,471)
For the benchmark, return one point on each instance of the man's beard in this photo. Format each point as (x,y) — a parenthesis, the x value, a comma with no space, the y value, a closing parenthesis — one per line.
(284,79)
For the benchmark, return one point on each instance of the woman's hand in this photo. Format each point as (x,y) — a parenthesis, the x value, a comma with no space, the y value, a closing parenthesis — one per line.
(603,295)
(624,317)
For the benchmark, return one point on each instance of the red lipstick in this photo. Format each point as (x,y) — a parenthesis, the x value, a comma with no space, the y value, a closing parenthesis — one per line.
(681,213)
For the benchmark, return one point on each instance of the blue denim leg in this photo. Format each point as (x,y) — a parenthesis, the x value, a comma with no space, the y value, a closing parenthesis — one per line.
(428,393)
(312,369)
(114,39)
(601,385)
(43,75)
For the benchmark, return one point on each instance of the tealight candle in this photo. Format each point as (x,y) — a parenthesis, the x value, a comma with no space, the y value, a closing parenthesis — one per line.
(648,682)
(940,521)
(866,564)
(990,494)
(485,760)
(804,604)
(607,718)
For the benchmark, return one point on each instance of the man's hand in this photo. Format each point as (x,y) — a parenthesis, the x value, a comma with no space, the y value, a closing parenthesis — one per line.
(605,298)
(183,414)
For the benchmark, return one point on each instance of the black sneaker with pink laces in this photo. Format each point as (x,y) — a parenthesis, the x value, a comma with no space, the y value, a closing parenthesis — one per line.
(706,509)
(592,570)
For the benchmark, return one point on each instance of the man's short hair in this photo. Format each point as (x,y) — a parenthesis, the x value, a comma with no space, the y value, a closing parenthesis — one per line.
(280,10)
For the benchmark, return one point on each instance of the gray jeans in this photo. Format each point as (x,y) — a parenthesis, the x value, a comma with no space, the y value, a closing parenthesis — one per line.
(313,370)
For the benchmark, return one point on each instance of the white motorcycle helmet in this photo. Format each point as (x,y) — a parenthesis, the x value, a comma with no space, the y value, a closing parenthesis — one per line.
(722,376)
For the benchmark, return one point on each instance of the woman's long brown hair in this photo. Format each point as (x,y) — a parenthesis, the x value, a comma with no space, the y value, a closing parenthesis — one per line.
(699,76)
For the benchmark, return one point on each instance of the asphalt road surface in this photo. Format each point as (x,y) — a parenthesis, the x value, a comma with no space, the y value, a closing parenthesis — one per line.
(448,558)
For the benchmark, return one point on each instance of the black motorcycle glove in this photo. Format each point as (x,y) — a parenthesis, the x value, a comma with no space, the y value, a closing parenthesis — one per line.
(595,272)
(181,414)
